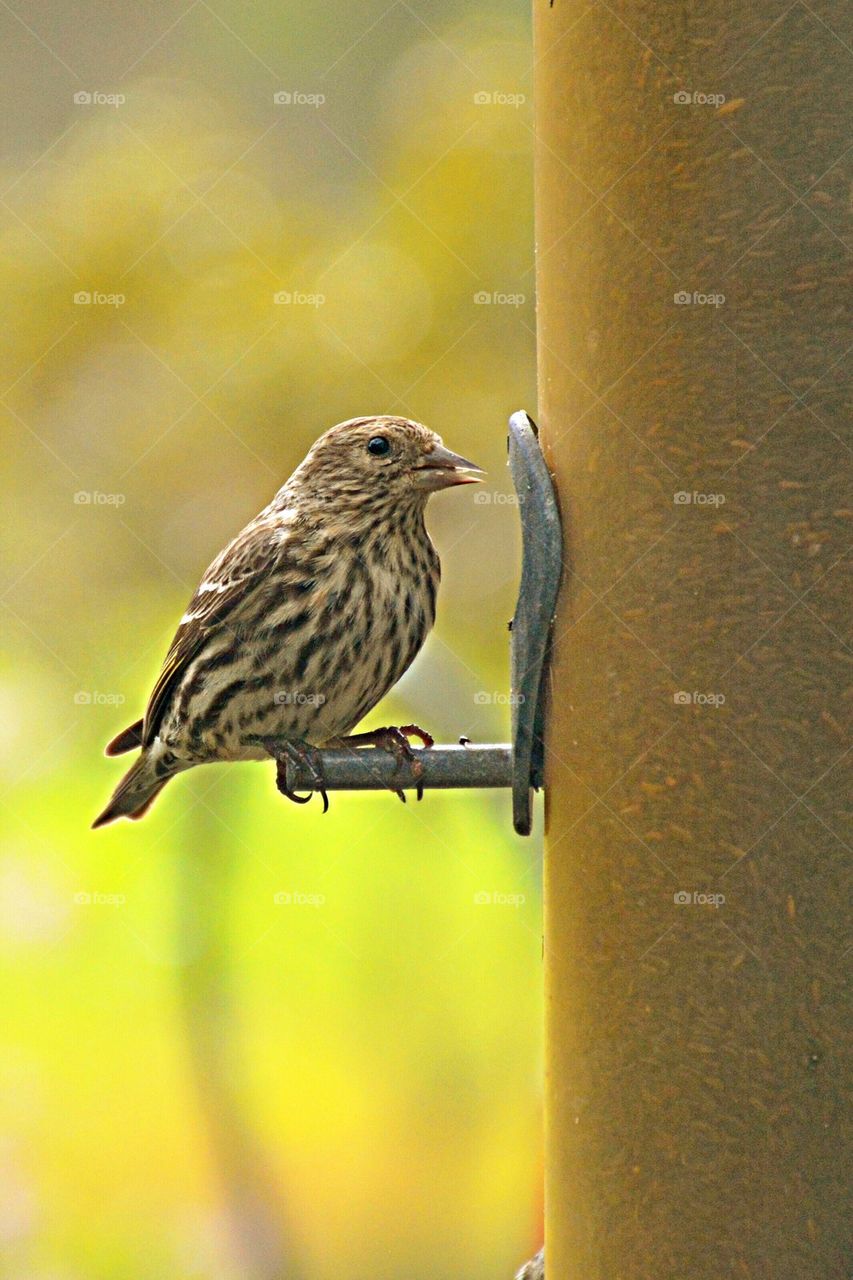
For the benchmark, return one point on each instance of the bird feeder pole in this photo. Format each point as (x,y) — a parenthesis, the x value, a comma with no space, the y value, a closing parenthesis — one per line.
(689,324)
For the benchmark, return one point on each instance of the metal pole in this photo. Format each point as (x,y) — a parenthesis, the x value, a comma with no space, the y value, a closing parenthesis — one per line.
(690,338)
(373,769)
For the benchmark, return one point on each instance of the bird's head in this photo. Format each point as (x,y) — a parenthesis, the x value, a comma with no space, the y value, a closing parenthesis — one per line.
(383,459)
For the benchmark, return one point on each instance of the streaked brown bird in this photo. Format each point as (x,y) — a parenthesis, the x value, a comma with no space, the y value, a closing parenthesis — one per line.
(308,617)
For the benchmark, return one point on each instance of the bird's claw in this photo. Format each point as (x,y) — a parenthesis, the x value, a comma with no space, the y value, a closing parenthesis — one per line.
(417,765)
(307,757)
(395,740)
(415,731)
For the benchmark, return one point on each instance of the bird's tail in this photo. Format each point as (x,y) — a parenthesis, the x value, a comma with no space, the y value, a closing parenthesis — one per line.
(136,791)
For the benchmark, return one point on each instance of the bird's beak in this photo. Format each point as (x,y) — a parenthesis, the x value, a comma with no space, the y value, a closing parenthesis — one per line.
(440,469)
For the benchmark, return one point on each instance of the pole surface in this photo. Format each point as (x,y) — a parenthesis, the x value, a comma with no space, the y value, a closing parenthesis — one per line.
(376,769)
(694,878)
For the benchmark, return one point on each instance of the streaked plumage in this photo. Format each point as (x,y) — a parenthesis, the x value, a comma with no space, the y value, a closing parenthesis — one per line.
(308,617)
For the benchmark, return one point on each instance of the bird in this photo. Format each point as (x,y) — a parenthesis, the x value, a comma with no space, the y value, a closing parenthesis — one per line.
(307,617)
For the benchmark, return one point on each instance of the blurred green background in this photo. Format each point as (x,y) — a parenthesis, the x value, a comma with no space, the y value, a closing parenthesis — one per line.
(241,1039)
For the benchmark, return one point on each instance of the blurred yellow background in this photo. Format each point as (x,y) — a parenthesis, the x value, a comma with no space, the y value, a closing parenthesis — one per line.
(241,1039)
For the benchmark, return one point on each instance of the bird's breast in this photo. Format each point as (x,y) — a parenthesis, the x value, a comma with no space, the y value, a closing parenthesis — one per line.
(318,654)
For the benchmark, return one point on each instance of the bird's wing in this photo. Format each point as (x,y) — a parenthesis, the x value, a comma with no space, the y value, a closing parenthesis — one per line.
(221,599)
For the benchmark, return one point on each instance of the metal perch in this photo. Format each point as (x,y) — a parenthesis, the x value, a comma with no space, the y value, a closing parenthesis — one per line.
(442,768)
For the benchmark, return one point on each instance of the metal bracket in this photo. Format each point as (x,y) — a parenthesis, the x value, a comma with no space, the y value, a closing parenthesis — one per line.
(519,765)
(541,568)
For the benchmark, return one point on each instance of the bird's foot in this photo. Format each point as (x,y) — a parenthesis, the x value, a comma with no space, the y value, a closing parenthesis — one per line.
(298,752)
(427,741)
(395,739)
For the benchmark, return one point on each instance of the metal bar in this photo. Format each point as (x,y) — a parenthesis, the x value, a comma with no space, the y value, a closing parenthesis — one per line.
(374,769)
(541,570)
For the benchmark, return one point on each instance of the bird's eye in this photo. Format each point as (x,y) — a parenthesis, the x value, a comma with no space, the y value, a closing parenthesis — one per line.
(379,446)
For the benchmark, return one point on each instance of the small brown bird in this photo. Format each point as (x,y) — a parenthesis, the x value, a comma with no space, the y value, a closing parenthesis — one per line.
(308,617)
